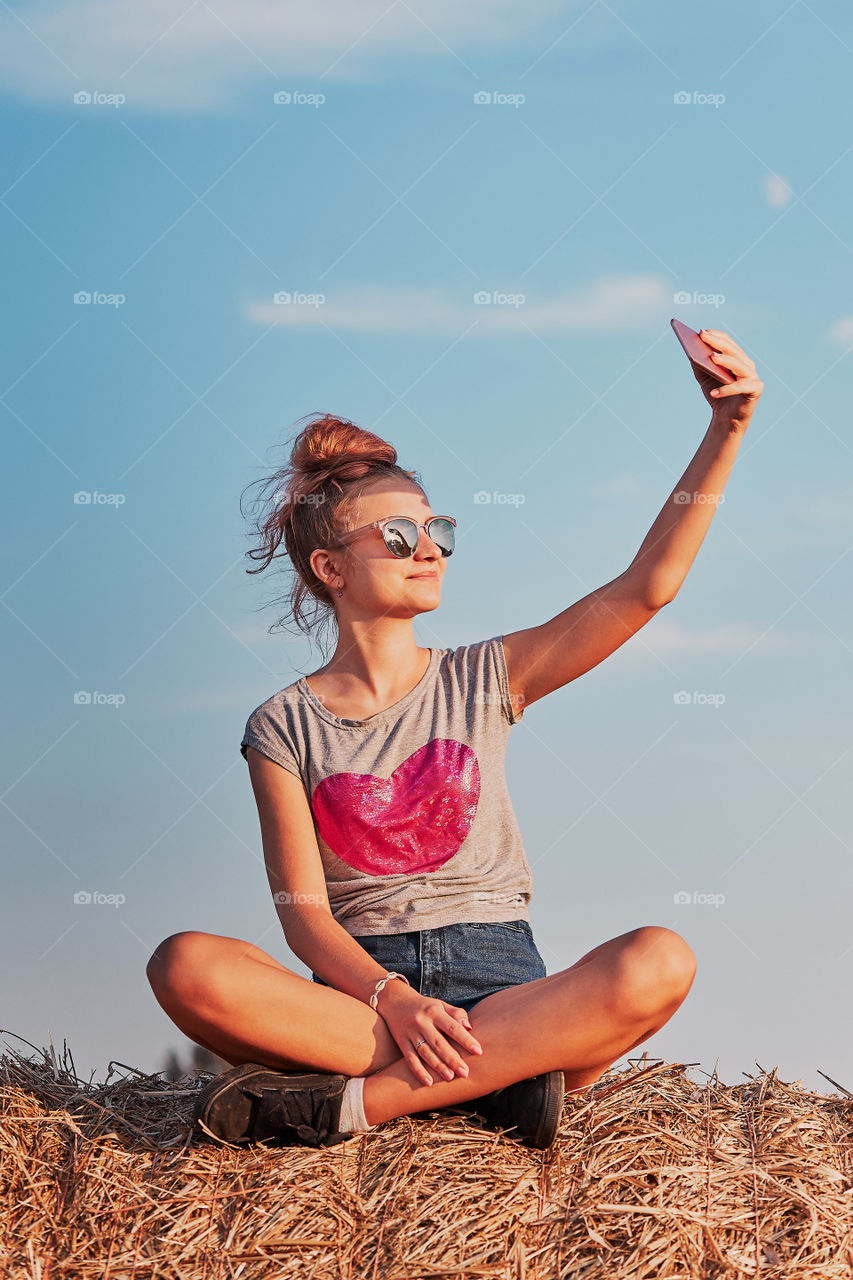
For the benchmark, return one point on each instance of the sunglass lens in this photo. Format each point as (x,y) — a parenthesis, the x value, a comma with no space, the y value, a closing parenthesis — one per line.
(442,534)
(401,537)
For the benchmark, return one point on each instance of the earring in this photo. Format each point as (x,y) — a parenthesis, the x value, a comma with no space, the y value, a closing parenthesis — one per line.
(340,593)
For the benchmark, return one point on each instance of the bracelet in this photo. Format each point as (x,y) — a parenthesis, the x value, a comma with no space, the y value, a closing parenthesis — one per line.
(375,997)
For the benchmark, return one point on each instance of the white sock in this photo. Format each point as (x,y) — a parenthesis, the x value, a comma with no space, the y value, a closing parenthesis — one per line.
(353,1119)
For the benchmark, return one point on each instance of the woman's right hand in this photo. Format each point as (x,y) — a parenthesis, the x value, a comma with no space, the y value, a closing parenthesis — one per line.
(411,1017)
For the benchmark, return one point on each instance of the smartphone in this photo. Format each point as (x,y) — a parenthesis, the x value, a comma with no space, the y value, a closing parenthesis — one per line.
(699,353)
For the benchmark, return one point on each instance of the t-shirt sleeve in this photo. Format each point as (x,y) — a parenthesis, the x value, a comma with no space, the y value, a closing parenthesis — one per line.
(512,706)
(270,738)
(482,675)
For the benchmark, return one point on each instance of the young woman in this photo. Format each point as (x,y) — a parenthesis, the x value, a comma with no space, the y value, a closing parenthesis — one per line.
(392,851)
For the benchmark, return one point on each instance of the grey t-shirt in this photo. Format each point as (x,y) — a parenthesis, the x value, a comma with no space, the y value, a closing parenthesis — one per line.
(411,809)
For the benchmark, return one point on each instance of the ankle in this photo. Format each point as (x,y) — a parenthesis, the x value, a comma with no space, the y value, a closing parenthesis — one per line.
(352,1117)
(370,1103)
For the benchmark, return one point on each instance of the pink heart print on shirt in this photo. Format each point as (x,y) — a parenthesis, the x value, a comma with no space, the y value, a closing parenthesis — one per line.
(416,820)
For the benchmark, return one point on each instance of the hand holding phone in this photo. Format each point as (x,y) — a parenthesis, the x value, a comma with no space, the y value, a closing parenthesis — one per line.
(732,391)
(699,353)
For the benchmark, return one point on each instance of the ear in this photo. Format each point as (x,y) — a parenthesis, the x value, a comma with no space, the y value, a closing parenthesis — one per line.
(323,565)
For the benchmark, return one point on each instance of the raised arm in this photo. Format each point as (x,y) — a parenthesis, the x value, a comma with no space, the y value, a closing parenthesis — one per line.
(544,658)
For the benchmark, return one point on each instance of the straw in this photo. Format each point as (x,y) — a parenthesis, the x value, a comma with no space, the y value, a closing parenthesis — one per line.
(652,1174)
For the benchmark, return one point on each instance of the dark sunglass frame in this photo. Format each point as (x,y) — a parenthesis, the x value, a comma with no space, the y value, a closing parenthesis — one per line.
(381,524)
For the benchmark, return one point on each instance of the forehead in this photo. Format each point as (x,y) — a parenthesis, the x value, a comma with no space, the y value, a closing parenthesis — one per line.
(391,498)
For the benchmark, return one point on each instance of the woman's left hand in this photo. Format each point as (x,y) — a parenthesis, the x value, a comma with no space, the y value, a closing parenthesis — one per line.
(732,402)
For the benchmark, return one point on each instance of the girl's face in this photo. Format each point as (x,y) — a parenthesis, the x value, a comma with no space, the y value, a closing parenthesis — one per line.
(375,582)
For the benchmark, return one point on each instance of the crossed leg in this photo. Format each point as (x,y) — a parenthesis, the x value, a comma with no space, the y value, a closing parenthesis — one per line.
(232,998)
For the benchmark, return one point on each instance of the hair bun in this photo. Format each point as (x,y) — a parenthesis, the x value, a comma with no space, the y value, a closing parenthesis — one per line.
(335,448)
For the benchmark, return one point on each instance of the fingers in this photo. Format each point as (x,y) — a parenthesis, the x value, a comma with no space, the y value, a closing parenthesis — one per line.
(728,355)
(461,1030)
(736,363)
(725,345)
(436,1049)
(427,1053)
(417,1068)
(743,387)
(719,339)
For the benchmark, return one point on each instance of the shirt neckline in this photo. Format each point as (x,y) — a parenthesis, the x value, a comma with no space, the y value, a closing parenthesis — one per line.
(343,722)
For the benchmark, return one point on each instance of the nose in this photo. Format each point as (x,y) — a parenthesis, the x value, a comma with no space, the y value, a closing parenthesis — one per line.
(426,548)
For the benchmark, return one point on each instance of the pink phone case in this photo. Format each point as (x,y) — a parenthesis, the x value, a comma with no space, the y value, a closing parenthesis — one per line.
(699,353)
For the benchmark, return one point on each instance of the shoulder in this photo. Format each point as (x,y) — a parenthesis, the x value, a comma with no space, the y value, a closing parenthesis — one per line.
(272,729)
(479,671)
(276,705)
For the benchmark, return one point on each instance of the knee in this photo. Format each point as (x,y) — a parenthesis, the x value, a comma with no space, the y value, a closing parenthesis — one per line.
(656,971)
(177,966)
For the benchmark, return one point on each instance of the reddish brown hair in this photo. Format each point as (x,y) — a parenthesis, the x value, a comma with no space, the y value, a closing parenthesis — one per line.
(313,499)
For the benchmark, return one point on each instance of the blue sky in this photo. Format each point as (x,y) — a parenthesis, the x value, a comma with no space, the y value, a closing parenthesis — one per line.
(625,156)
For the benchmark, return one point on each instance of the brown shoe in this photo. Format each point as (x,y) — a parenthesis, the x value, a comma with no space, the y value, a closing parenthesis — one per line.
(253,1103)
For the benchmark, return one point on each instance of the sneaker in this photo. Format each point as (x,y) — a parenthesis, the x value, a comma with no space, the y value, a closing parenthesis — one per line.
(253,1103)
(530,1110)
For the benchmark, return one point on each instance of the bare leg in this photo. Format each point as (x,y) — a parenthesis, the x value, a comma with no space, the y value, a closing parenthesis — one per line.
(242,1004)
(580,1020)
(232,998)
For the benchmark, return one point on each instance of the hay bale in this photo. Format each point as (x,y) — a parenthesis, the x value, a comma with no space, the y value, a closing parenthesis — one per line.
(651,1175)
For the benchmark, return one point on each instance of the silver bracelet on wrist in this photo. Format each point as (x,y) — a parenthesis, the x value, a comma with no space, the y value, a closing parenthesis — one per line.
(374,999)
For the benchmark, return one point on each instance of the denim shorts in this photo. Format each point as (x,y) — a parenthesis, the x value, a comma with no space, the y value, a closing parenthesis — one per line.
(459,963)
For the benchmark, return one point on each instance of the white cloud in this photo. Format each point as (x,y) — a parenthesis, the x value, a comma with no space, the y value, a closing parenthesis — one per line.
(195,56)
(777,192)
(668,637)
(607,304)
(842,331)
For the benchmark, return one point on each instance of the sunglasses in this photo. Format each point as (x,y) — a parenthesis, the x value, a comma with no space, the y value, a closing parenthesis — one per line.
(401,535)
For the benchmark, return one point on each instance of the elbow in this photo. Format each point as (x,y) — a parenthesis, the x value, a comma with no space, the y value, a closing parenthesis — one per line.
(652,590)
(658,601)
(661,592)
(303,928)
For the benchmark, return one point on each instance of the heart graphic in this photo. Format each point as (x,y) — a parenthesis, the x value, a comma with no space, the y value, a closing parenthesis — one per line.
(413,821)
